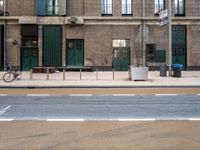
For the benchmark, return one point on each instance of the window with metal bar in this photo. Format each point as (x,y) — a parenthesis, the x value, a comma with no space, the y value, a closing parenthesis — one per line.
(159,6)
(1,7)
(51,7)
(180,7)
(126,7)
(106,7)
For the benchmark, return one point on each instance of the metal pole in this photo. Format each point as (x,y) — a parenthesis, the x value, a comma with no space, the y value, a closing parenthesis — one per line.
(113,74)
(170,37)
(143,35)
(63,74)
(31,74)
(47,74)
(97,77)
(80,74)
(5,36)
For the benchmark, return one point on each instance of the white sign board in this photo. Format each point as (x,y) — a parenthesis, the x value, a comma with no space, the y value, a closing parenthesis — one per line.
(163,17)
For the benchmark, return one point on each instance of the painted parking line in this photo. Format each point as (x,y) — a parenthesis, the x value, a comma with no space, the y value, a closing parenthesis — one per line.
(123,94)
(39,95)
(81,95)
(166,94)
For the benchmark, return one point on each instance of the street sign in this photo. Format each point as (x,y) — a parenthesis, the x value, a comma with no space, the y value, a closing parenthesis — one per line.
(163,17)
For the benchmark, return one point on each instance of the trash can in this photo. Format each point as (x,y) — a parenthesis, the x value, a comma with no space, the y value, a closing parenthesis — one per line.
(177,70)
(163,70)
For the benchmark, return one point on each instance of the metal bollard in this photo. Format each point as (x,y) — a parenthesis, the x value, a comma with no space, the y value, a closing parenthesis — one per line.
(47,74)
(63,74)
(113,74)
(80,74)
(97,77)
(31,74)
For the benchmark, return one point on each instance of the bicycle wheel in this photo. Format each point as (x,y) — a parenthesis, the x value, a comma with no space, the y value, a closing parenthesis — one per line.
(8,77)
(18,75)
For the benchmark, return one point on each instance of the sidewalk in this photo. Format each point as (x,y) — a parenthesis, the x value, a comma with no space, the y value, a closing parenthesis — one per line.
(105,79)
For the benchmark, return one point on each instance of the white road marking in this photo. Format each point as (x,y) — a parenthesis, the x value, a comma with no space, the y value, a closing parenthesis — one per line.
(166,94)
(198,94)
(81,95)
(39,95)
(137,119)
(4,110)
(67,120)
(194,119)
(2,120)
(123,94)
(3,95)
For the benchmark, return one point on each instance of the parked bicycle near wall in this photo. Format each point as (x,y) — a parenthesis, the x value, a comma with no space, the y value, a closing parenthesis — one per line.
(13,73)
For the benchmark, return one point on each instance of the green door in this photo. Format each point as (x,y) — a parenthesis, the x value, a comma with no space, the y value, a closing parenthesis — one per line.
(75,52)
(179,49)
(29,58)
(178,53)
(121,59)
(52,46)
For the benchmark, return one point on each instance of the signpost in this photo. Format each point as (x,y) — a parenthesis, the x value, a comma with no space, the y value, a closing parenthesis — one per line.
(165,18)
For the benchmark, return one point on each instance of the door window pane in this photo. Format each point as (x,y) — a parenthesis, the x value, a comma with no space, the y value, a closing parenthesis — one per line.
(121,43)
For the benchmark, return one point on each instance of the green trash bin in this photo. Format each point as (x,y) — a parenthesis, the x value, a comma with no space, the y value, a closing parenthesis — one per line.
(177,70)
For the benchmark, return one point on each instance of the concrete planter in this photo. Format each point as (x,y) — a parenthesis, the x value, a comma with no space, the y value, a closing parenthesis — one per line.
(138,73)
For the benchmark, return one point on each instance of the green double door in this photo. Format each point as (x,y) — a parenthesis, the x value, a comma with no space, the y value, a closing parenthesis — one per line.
(179,49)
(121,60)
(29,58)
(52,45)
(75,52)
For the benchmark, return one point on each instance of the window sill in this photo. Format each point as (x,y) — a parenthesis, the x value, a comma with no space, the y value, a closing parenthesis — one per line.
(127,15)
(106,14)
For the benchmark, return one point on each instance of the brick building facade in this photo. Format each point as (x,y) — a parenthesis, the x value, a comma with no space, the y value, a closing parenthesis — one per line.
(100,33)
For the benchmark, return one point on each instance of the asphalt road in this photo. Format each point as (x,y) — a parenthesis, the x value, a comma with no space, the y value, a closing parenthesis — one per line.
(93,107)
(88,121)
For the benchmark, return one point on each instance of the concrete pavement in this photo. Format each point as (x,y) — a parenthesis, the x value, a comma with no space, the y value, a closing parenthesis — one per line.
(105,79)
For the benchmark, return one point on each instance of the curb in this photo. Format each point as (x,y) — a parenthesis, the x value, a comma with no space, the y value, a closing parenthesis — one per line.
(103,86)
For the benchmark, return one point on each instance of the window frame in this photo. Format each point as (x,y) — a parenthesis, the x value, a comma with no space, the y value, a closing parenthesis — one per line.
(1,7)
(53,13)
(127,11)
(104,9)
(159,6)
(178,8)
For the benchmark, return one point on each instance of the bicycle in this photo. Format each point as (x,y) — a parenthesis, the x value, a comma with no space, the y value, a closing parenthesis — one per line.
(13,73)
